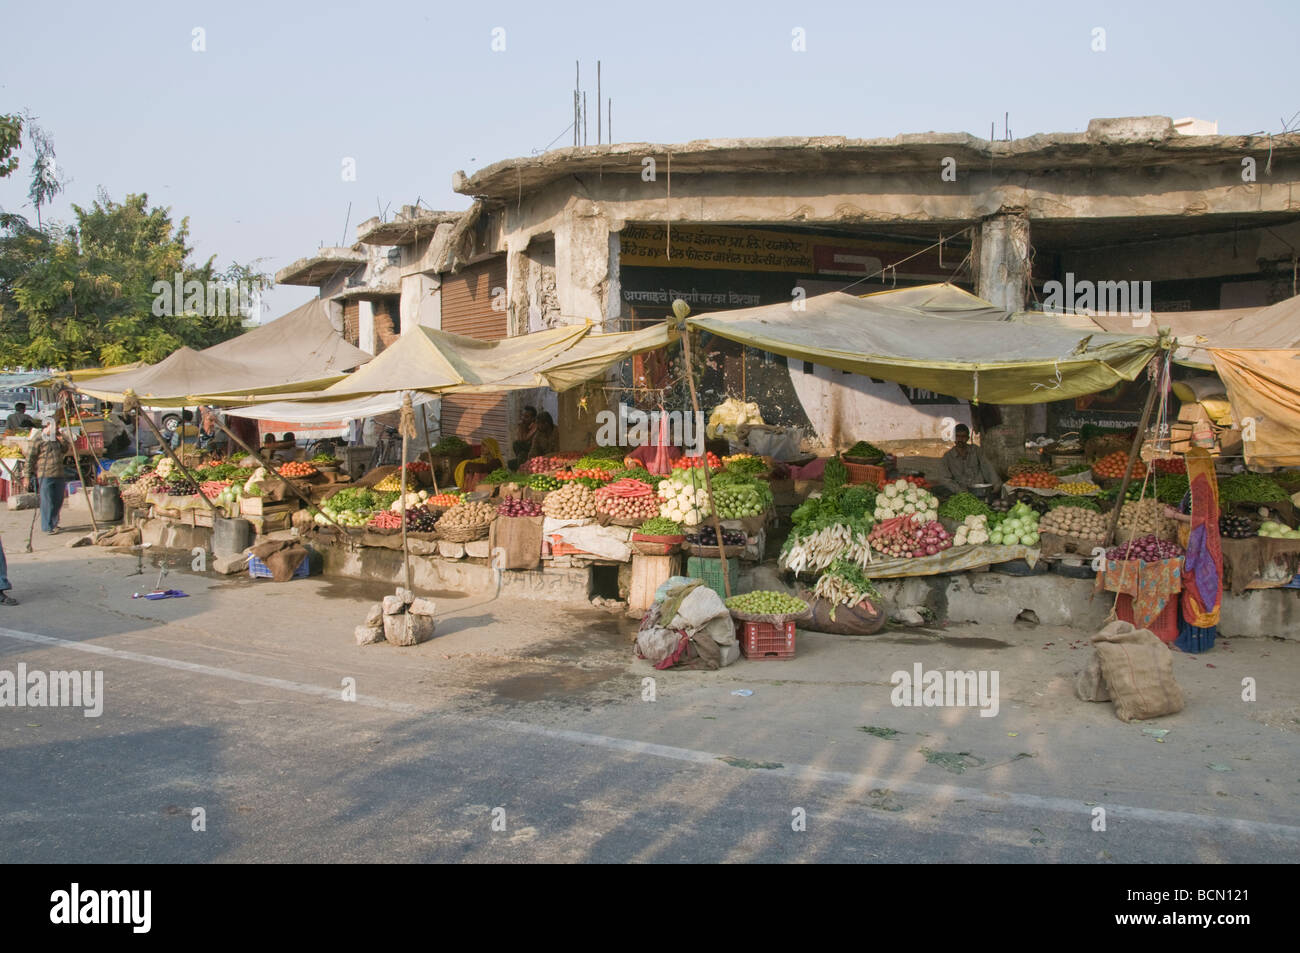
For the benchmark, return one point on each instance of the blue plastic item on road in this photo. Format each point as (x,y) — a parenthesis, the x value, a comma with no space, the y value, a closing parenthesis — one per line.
(258,569)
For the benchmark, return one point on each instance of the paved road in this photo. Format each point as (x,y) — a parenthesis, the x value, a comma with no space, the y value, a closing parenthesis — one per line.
(521,734)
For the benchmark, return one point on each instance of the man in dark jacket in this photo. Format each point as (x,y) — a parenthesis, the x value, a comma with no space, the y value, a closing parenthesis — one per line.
(45,470)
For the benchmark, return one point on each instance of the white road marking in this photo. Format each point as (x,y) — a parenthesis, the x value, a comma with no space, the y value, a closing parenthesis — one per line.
(946,793)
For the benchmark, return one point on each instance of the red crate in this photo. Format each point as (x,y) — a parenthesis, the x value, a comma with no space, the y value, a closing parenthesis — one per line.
(762,641)
(864,473)
(89,441)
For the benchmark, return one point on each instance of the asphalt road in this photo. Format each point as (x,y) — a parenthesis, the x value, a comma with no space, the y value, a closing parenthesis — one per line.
(522,733)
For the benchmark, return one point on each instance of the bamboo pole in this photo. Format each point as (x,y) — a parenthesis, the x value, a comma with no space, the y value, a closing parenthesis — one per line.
(167,449)
(76,461)
(289,483)
(708,483)
(1132,456)
(406,549)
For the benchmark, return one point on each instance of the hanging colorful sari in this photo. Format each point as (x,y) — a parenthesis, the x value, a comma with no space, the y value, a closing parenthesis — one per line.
(1202,595)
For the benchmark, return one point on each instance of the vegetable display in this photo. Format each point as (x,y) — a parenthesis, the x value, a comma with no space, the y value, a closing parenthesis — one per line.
(542,481)
(864,451)
(1274,530)
(501,476)
(974,531)
(1249,488)
(835,475)
(910,537)
(660,526)
(961,505)
(766,602)
(1078,488)
(627,499)
(708,536)
(1146,517)
(353,498)
(573,501)
(815,544)
(1144,548)
(555,461)
(737,501)
(1075,521)
(901,498)
(1072,469)
(1112,466)
(468,514)
(1236,527)
(445,499)
(599,476)
(683,497)
(1037,479)
(694,463)
(518,507)
(844,583)
(1017,527)
(745,464)
(450,444)
(390,482)
(412,499)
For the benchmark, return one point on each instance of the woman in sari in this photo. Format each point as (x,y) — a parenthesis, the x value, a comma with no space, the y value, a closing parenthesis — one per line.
(1202,594)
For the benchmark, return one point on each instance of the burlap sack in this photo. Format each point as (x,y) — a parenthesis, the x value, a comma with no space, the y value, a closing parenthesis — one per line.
(1089,683)
(1139,672)
(520,539)
(860,619)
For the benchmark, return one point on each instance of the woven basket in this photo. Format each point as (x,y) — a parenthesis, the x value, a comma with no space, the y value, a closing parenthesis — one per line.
(463,534)
(654,549)
(771,619)
(711,552)
(604,519)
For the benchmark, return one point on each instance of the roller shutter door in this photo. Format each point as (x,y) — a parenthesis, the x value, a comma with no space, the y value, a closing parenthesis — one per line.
(467,310)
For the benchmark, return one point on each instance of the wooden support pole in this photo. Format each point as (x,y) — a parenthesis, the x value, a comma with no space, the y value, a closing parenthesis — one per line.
(1156,383)
(76,462)
(708,483)
(289,483)
(167,449)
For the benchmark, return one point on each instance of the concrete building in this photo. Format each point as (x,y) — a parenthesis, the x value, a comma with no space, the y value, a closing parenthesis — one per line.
(613,233)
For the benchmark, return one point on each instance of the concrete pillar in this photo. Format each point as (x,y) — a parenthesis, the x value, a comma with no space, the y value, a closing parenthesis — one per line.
(421,301)
(582,278)
(1002,277)
(366,326)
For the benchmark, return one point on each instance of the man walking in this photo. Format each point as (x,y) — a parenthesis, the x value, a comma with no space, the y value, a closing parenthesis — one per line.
(45,467)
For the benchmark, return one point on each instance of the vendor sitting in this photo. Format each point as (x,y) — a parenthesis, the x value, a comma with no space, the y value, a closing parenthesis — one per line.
(524,432)
(19,420)
(964,466)
(546,439)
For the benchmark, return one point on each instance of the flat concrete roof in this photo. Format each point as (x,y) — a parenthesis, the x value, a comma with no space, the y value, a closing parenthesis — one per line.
(403,229)
(1109,143)
(320,267)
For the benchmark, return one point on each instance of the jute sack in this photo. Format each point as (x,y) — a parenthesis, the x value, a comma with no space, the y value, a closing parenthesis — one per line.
(1139,672)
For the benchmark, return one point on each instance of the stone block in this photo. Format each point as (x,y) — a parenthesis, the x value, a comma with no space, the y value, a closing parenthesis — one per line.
(479,549)
(421,607)
(376,614)
(229,565)
(450,550)
(408,629)
(369,634)
(406,595)
(393,605)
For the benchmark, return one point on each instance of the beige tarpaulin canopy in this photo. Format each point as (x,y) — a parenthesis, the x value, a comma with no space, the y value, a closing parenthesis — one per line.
(1264,388)
(298,352)
(895,336)
(426,363)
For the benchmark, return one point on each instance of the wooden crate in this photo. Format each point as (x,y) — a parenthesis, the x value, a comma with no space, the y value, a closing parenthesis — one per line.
(256,506)
(648,574)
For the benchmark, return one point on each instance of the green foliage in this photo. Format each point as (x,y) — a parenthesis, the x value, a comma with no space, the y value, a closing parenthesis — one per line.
(835,475)
(84,296)
(11,137)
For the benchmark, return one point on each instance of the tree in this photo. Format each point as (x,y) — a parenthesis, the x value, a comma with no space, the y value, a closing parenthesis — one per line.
(46,183)
(84,295)
(11,137)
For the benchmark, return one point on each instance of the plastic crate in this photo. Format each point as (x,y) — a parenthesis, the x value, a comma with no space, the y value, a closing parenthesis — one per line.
(90,441)
(259,570)
(764,641)
(710,571)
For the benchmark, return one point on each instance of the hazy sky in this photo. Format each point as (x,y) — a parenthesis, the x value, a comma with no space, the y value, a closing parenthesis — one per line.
(247,137)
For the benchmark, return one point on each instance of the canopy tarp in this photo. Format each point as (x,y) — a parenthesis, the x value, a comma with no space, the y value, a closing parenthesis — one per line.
(425,361)
(975,357)
(300,352)
(1264,388)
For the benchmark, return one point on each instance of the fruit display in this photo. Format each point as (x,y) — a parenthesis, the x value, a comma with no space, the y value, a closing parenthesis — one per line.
(468,514)
(10,453)
(1112,466)
(909,536)
(1145,548)
(571,502)
(901,498)
(1270,529)
(517,507)
(1249,488)
(1036,479)
(844,583)
(390,482)
(501,476)
(683,498)
(1236,527)
(1018,527)
(297,469)
(816,543)
(1169,465)
(543,482)
(687,463)
(1078,488)
(1075,521)
(555,461)
(627,499)
(766,602)
(866,452)
(660,526)
(1146,516)
(708,536)
(445,499)
(973,531)
(961,505)
(737,501)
